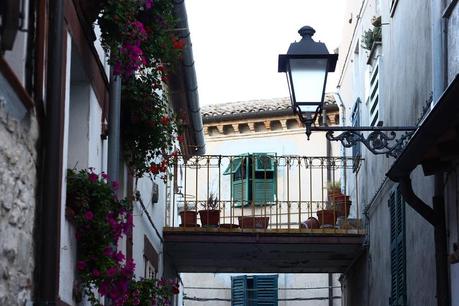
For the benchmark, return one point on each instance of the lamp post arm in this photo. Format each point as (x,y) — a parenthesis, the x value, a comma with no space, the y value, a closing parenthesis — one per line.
(380,140)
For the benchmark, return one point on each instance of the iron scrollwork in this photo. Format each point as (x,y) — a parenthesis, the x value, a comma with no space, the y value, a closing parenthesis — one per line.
(378,142)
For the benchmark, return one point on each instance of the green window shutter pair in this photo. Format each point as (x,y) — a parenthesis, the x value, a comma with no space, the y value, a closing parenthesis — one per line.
(253,179)
(398,249)
(254,290)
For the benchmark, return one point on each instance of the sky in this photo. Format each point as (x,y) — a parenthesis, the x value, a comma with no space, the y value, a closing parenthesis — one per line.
(236,43)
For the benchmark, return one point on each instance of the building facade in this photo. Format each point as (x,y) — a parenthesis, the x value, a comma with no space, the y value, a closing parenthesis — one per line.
(398,67)
(57,112)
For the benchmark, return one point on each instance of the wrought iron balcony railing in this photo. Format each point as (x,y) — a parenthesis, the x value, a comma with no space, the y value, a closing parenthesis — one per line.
(254,192)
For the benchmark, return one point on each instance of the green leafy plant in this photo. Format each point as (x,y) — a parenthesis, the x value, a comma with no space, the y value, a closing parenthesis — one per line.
(372,35)
(334,186)
(211,202)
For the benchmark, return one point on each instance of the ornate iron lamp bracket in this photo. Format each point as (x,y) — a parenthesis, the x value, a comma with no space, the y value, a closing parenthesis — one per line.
(380,140)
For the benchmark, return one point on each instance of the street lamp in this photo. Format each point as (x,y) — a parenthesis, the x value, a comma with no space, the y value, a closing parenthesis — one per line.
(306,65)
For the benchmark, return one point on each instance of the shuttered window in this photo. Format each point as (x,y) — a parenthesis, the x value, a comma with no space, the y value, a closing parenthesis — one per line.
(254,290)
(398,249)
(373,97)
(253,179)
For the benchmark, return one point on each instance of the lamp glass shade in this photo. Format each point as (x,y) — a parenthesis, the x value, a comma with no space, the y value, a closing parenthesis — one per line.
(307,78)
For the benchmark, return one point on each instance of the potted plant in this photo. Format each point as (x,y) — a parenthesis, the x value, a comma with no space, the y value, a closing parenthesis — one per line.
(372,35)
(253,222)
(188,216)
(337,201)
(310,223)
(210,215)
(327,217)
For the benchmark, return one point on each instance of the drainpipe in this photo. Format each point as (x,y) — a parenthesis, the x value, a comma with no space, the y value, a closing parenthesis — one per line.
(330,289)
(441,243)
(438,37)
(342,118)
(49,210)
(190,78)
(113,167)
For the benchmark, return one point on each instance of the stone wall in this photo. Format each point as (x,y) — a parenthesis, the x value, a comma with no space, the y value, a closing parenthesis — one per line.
(18,163)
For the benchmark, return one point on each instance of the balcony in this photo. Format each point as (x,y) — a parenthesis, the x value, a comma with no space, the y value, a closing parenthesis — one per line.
(277,214)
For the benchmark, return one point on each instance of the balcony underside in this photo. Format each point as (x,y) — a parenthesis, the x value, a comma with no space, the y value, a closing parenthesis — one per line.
(198,250)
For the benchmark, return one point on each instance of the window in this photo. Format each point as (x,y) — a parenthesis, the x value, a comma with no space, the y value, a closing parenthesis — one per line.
(356,149)
(151,258)
(253,179)
(373,97)
(393,5)
(398,249)
(254,290)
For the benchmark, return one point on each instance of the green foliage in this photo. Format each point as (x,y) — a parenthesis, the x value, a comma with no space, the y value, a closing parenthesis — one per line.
(143,47)
(372,35)
(100,219)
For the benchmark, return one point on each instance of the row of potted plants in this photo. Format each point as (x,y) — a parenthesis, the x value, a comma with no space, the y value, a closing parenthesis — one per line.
(100,219)
(210,217)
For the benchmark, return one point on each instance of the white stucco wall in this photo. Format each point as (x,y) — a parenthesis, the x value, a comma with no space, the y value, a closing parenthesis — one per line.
(83,148)
(281,142)
(404,87)
(142,225)
(293,289)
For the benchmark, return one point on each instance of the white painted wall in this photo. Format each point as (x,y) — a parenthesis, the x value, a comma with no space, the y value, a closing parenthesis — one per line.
(83,148)
(294,289)
(405,86)
(285,142)
(142,225)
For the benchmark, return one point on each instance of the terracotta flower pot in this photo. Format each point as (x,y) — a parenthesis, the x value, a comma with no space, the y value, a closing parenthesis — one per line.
(327,217)
(210,217)
(253,222)
(343,208)
(310,223)
(338,197)
(189,218)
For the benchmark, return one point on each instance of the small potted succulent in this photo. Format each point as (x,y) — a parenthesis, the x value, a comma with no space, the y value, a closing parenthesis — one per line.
(210,215)
(188,216)
(338,202)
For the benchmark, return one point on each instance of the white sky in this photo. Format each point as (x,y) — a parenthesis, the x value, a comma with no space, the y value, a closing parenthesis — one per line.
(236,43)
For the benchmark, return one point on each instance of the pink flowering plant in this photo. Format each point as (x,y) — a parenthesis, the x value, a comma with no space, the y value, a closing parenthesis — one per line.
(100,220)
(150,134)
(144,48)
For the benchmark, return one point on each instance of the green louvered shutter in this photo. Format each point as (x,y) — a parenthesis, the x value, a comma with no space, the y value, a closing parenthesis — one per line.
(237,171)
(239,290)
(264,178)
(265,290)
(398,249)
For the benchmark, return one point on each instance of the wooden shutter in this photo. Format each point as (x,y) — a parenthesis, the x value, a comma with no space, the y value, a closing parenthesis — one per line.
(265,290)
(398,249)
(237,170)
(373,98)
(239,290)
(263,179)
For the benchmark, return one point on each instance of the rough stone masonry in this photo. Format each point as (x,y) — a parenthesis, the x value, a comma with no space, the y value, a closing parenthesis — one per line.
(18,159)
